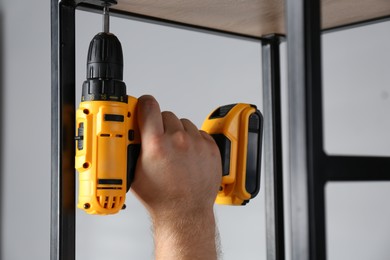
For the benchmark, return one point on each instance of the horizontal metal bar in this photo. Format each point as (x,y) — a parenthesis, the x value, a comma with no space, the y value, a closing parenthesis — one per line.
(164,22)
(168,23)
(356,168)
(357,24)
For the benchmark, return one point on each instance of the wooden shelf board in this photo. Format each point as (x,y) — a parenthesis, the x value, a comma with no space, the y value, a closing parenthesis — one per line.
(251,17)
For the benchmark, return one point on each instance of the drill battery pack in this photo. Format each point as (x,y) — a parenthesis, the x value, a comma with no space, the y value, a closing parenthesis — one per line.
(237,130)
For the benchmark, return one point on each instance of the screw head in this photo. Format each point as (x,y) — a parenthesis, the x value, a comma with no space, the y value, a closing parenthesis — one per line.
(86,206)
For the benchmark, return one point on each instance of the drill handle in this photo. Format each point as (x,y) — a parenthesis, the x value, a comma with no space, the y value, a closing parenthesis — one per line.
(134,140)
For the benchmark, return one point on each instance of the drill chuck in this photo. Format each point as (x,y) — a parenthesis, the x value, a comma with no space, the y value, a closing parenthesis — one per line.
(105,57)
(104,70)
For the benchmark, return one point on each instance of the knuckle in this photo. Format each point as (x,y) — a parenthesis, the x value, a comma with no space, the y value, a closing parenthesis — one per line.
(185,121)
(181,140)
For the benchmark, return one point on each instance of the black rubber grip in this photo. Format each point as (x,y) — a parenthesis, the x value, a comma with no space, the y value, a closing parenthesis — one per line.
(133,151)
(221,111)
(224,145)
(253,160)
(80,137)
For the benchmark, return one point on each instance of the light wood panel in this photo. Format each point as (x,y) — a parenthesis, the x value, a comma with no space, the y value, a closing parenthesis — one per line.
(251,17)
(342,12)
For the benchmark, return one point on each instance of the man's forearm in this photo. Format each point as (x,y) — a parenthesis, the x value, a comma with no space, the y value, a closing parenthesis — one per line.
(190,237)
(178,175)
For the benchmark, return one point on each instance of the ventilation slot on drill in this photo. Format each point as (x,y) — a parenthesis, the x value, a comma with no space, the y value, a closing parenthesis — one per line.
(109,202)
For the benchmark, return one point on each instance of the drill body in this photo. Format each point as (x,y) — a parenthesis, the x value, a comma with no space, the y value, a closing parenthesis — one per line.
(108,140)
(106,157)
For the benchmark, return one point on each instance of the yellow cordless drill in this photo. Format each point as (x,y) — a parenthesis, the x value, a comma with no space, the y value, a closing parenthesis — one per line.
(108,139)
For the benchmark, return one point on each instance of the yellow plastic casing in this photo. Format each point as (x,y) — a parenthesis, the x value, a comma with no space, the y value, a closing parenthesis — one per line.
(106,130)
(233,126)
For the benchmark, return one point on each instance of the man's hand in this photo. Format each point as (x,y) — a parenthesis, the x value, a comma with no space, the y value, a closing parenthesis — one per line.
(177,179)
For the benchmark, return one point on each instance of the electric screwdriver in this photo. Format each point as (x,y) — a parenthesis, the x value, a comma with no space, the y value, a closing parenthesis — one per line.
(108,138)
(107,141)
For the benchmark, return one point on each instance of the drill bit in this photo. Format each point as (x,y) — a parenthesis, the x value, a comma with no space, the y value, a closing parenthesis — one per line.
(106,19)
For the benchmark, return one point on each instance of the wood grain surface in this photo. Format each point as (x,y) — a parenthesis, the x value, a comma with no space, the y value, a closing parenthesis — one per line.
(252,17)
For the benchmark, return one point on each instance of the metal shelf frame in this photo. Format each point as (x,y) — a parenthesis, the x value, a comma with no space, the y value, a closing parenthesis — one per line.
(310,167)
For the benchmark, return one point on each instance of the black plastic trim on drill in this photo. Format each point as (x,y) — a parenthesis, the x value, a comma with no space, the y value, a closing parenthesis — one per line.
(105,57)
(109,188)
(80,136)
(110,181)
(254,148)
(131,135)
(114,118)
(104,70)
(133,151)
(224,146)
(221,111)
(104,90)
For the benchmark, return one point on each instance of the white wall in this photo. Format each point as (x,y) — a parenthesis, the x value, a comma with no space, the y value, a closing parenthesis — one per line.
(190,73)
(25,129)
(356,67)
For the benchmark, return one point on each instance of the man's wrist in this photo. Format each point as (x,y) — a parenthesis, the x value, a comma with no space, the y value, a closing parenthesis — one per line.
(191,236)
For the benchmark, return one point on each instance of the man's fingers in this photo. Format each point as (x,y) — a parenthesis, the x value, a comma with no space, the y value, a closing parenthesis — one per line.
(149,117)
(152,122)
(171,122)
(190,127)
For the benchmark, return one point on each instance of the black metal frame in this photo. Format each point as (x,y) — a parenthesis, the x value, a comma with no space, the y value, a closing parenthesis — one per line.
(273,152)
(305,122)
(310,167)
(62,130)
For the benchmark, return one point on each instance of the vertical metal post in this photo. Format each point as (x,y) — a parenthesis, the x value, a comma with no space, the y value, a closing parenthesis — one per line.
(2,126)
(273,165)
(305,125)
(62,130)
